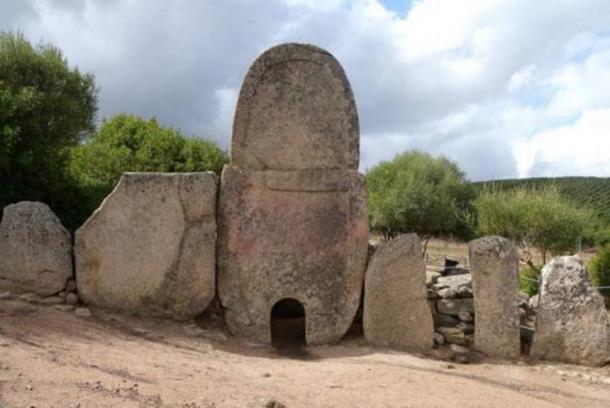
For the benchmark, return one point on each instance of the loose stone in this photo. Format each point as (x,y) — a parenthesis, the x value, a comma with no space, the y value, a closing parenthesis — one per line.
(82,312)
(72,298)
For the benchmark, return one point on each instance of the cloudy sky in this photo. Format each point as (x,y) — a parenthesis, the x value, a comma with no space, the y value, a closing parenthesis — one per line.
(507,88)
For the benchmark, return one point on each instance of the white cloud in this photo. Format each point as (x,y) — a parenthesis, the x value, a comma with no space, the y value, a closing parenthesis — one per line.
(478,81)
(521,78)
(582,148)
(581,85)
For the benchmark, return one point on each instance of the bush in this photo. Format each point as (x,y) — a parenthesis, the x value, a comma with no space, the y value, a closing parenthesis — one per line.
(540,219)
(598,234)
(129,143)
(529,280)
(599,270)
(419,193)
(46,108)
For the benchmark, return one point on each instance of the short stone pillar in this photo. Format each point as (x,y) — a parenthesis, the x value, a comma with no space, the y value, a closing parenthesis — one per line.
(572,324)
(495,279)
(396,310)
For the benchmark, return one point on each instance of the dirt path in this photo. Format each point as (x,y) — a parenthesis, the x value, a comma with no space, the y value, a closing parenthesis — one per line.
(50,358)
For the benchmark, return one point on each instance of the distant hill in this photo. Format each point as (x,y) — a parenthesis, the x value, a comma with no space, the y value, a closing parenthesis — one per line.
(593,192)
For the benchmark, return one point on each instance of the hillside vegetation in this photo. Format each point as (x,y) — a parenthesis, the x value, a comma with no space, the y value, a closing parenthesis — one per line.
(591,192)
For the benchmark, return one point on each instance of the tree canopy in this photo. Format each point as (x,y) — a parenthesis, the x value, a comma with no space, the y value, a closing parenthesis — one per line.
(45,107)
(416,192)
(129,143)
(50,149)
(534,218)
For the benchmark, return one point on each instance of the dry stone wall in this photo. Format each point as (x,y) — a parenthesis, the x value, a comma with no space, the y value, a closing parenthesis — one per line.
(451,302)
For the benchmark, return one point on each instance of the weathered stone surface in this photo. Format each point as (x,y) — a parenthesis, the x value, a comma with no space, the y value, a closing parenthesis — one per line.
(465,317)
(453,335)
(35,249)
(453,307)
(432,277)
(293,213)
(467,328)
(572,324)
(292,234)
(295,111)
(456,348)
(445,320)
(150,247)
(495,276)
(396,311)
(533,302)
(82,312)
(449,287)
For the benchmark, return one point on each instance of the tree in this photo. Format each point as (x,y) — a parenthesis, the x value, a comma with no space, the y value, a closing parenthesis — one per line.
(45,108)
(129,143)
(419,193)
(538,219)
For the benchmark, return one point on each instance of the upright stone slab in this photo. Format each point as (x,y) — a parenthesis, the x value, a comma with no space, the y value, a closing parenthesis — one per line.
(495,279)
(150,247)
(572,324)
(396,310)
(35,250)
(296,111)
(293,218)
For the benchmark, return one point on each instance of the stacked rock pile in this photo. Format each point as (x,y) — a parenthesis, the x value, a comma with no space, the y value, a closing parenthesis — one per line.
(527,320)
(67,300)
(452,306)
(527,310)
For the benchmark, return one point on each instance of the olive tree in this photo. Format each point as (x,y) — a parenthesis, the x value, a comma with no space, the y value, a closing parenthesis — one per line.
(416,192)
(536,219)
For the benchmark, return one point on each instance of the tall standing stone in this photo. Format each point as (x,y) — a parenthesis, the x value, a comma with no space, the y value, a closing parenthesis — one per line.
(572,324)
(150,247)
(293,219)
(35,249)
(495,279)
(396,310)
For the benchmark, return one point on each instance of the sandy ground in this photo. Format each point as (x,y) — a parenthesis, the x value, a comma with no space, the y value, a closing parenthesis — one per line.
(50,358)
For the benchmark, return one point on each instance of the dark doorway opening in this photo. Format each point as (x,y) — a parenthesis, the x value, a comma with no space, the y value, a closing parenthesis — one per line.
(288,323)
(450,265)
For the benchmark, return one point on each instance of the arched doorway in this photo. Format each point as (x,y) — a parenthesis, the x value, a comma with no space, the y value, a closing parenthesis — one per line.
(288,323)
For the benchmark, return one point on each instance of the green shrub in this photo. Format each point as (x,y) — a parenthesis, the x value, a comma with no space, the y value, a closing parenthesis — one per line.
(129,143)
(598,235)
(419,193)
(46,108)
(599,270)
(535,219)
(529,280)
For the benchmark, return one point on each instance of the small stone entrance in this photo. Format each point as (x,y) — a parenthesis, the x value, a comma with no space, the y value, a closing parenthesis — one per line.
(288,323)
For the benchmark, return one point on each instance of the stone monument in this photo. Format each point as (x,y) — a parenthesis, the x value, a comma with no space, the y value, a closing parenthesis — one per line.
(293,217)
